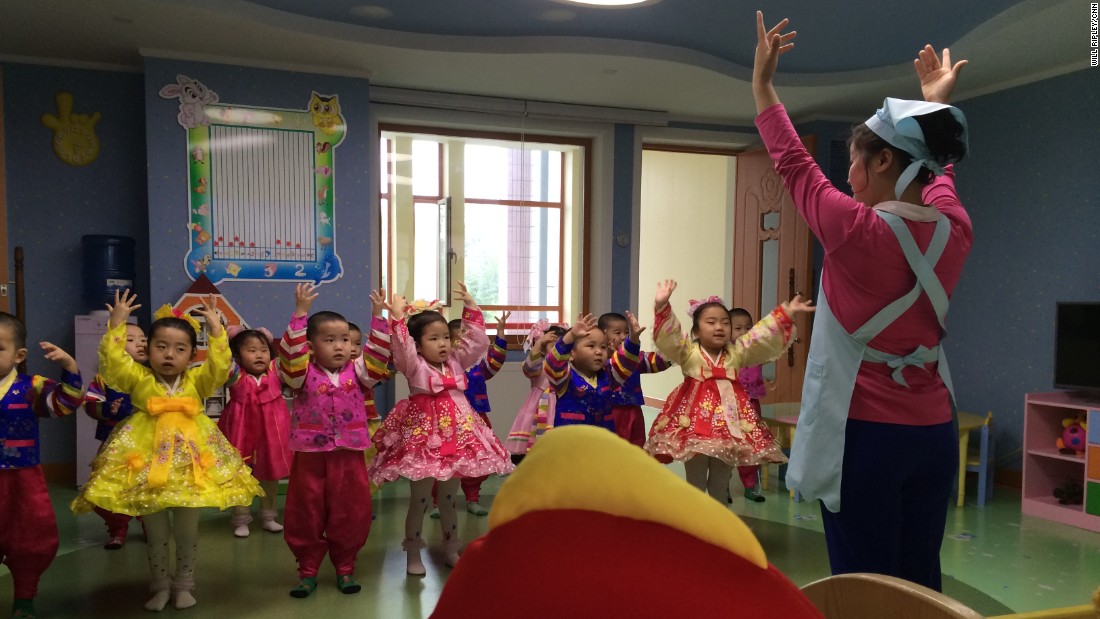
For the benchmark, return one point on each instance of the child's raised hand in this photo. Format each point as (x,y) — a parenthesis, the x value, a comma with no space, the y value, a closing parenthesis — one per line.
(120,310)
(585,323)
(635,328)
(543,344)
(463,294)
(664,293)
(303,298)
(378,302)
(937,80)
(502,320)
(209,313)
(398,303)
(60,357)
(797,306)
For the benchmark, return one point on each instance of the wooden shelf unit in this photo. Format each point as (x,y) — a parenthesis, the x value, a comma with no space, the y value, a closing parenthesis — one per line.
(1045,468)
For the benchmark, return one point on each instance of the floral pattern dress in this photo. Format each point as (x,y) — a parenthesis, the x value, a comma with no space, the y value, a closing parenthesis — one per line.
(710,413)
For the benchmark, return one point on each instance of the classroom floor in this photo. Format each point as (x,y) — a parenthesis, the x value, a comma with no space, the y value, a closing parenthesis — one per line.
(994,560)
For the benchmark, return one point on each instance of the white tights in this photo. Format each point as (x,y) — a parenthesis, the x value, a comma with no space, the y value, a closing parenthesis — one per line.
(184,527)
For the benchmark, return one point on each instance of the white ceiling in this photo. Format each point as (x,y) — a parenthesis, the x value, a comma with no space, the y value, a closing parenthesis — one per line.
(1029,41)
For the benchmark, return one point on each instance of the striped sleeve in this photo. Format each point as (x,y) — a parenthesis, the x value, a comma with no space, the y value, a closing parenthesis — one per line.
(494,359)
(372,366)
(234,374)
(623,362)
(53,398)
(556,366)
(95,399)
(293,353)
(652,363)
(532,366)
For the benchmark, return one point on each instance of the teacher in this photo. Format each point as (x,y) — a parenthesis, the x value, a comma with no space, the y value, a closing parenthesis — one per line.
(876,440)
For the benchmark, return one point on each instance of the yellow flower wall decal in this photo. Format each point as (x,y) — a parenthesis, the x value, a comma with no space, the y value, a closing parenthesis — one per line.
(74,138)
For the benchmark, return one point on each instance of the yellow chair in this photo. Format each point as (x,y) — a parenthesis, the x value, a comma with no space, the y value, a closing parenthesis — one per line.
(977,459)
(874,596)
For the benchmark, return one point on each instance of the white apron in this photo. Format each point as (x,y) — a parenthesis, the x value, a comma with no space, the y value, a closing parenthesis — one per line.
(817,455)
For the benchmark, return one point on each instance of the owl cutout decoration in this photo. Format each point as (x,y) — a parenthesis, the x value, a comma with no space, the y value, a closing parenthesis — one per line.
(326,112)
(74,139)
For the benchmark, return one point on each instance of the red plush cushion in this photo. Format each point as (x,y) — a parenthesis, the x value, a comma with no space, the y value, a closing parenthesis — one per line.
(577,564)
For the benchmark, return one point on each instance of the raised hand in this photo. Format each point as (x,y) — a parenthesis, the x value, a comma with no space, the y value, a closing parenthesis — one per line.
(123,306)
(770,44)
(378,302)
(937,80)
(398,303)
(797,306)
(303,298)
(585,323)
(209,312)
(635,328)
(60,357)
(664,293)
(463,294)
(502,320)
(543,344)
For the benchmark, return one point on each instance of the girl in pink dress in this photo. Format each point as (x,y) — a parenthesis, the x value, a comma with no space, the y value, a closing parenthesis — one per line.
(435,435)
(256,421)
(536,414)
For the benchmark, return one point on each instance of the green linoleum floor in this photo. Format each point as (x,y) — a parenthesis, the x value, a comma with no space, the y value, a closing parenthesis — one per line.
(994,560)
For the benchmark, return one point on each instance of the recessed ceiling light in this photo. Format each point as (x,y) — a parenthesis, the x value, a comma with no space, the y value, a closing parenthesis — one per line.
(610,4)
(371,11)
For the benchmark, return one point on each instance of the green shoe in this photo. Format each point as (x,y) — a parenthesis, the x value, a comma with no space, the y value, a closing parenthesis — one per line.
(346,584)
(23,608)
(754,496)
(305,587)
(435,513)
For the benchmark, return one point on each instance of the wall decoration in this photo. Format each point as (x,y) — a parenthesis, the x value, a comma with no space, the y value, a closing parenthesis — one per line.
(74,138)
(261,187)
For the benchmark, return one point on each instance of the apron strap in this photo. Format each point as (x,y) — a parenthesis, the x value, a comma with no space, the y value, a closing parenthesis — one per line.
(922,266)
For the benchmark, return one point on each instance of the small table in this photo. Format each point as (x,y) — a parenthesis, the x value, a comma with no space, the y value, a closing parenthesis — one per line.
(784,415)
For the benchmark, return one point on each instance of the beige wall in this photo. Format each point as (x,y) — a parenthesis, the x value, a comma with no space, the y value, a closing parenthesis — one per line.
(686,233)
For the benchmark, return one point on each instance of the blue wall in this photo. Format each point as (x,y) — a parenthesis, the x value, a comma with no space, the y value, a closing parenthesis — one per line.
(1032,190)
(268,304)
(52,204)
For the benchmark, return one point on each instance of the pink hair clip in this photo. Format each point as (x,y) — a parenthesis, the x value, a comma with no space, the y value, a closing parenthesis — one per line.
(695,304)
(537,330)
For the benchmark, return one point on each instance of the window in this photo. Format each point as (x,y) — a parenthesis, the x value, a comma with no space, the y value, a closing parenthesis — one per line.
(497,210)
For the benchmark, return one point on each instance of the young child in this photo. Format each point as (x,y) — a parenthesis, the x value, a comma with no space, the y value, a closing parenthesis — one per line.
(752,379)
(168,455)
(706,422)
(478,396)
(108,407)
(435,433)
(582,376)
(374,420)
(627,401)
(257,422)
(536,414)
(28,529)
(328,506)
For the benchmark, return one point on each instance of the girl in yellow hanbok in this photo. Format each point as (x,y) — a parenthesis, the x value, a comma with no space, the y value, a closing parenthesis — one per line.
(168,455)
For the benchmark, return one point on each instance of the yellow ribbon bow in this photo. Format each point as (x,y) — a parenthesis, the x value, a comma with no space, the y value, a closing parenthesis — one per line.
(175,416)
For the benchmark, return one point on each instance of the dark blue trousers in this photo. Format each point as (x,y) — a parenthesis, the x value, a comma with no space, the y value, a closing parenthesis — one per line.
(894,496)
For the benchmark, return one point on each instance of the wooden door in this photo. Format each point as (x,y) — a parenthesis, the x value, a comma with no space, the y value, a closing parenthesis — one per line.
(772,261)
(6,291)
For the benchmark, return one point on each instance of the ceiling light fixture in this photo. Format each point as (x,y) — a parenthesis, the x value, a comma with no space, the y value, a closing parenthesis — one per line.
(610,4)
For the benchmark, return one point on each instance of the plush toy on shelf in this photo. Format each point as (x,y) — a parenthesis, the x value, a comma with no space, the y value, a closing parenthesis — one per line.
(1070,493)
(1074,435)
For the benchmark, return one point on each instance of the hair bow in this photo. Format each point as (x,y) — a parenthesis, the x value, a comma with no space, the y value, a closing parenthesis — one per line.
(167,311)
(695,304)
(419,306)
(234,330)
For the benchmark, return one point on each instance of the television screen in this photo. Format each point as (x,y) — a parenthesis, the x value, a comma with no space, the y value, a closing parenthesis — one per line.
(1077,346)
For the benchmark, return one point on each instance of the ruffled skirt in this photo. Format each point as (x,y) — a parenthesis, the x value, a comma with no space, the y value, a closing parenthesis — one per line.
(202,471)
(438,437)
(697,418)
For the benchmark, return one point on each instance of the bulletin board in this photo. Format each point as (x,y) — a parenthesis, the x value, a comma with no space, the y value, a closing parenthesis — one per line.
(261,192)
